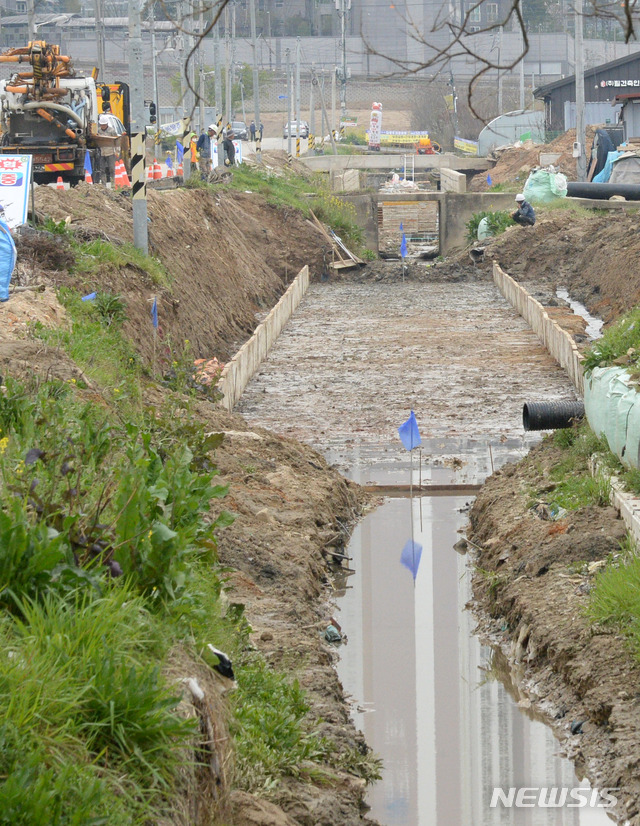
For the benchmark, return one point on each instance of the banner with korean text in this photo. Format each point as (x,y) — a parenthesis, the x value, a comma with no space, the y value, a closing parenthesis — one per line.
(15,179)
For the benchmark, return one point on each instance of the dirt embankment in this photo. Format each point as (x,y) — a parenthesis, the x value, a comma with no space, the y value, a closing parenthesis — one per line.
(229,257)
(534,573)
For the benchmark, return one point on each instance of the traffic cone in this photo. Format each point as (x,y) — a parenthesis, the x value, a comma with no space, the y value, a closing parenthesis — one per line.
(88,177)
(157,170)
(180,170)
(118,176)
(60,183)
(169,172)
(150,172)
(123,173)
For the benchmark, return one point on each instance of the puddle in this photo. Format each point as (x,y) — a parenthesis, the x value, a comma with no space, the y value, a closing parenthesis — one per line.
(426,693)
(594,325)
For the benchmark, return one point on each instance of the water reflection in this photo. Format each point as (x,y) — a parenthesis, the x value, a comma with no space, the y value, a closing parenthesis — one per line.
(425,691)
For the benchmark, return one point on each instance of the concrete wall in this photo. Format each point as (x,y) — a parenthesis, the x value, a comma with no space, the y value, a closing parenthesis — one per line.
(366,207)
(239,371)
(558,342)
(456,210)
(452,181)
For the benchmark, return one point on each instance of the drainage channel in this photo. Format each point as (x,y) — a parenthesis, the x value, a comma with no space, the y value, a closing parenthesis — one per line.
(434,702)
(430,698)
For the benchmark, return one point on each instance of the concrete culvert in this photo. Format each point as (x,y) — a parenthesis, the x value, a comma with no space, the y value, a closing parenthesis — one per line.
(551,415)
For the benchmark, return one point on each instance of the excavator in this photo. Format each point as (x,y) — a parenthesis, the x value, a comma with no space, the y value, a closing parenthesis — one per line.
(51,113)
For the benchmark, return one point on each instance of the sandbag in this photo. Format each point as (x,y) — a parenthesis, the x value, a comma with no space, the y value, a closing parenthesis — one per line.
(545,185)
(484,230)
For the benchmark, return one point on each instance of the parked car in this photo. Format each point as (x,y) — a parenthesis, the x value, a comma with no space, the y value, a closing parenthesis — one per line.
(304,129)
(240,131)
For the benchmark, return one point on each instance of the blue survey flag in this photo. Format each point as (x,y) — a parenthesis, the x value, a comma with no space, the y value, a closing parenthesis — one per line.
(489,181)
(89,297)
(411,555)
(87,163)
(154,313)
(179,151)
(409,433)
(169,162)
(401,227)
(403,246)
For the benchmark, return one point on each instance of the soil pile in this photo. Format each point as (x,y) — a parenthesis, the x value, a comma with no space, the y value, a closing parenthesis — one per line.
(228,258)
(514,163)
(594,255)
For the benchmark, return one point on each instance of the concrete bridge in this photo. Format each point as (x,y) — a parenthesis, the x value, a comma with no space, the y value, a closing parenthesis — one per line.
(383,162)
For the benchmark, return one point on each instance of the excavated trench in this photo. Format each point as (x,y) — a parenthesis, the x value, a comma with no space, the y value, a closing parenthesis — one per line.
(433,701)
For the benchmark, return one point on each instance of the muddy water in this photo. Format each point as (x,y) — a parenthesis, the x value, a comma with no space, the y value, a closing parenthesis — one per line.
(434,702)
(348,368)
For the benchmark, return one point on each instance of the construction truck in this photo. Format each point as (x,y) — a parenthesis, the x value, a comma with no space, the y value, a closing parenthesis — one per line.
(51,113)
(426,146)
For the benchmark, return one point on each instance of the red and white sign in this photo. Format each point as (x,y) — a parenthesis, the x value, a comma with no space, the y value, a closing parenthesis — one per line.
(15,178)
(375,126)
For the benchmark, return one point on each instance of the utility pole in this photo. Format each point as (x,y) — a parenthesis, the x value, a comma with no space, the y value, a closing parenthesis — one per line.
(189,65)
(499,71)
(522,69)
(154,62)
(31,18)
(136,92)
(100,39)
(201,75)
(218,88)
(342,7)
(288,54)
(454,103)
(314,80)
(333,101)
(256,76)
(297,90)
(581,162)
(312,107)
(227,59)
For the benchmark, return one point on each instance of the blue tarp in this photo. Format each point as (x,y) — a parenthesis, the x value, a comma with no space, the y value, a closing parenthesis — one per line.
(7,260)
(603,176)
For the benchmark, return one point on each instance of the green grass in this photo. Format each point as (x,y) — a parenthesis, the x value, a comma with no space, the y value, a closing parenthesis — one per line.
(621,342)
(615,597)
(288,190)
(92,257)
(89,728)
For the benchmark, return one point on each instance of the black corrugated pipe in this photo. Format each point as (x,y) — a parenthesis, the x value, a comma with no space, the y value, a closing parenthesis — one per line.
(603,192)
(551,415)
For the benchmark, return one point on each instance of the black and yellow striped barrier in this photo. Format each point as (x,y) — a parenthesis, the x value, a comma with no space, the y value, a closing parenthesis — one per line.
(297,147)
(312,143)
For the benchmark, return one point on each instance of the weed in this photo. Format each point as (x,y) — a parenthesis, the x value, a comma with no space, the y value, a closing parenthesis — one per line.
(271,740)
(497,222)
(369,255)
(575,492)
(94,255)
(110,308)
(620,343)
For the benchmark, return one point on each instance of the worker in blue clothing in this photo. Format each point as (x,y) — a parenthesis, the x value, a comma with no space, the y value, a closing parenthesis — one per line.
(7,256)
(203,147)
(524,215)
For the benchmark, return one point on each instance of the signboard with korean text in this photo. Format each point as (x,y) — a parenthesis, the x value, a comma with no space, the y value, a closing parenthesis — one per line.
(375,126)
(466,146)
(237,146)
(15,180)
(620,84)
